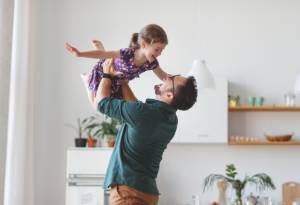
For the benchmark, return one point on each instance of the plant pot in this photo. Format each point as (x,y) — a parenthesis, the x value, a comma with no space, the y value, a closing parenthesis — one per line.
(91,142)
(111,143)
(80,142)
(109,140)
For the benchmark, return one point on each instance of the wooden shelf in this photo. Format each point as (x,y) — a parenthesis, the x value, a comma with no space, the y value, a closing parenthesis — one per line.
(262,141)
(245,108)
(292,142)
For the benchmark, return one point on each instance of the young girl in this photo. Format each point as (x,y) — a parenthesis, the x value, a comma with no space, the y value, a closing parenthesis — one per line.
(141,55)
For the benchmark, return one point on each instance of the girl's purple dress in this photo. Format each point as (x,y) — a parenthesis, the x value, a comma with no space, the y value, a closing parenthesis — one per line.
(124,64)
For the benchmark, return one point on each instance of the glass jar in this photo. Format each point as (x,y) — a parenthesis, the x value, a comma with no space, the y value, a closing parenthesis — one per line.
(290,99)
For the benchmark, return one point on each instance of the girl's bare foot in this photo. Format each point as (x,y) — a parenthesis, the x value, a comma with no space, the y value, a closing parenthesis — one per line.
(98,44)
(86,79)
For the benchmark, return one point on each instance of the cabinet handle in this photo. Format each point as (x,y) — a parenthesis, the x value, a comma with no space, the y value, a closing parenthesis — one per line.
(202,135)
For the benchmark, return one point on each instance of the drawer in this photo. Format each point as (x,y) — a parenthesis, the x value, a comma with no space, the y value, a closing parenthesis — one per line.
(87,161)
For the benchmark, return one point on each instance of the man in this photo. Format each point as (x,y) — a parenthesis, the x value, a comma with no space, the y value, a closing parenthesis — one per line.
(147,129)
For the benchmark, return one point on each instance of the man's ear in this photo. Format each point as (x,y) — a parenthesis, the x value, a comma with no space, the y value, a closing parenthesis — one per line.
(169,95)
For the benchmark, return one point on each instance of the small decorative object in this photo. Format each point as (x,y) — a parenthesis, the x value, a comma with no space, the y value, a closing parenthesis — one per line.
(251,101)
(222,186)
(79,141)
(195,199)
(234,100)
(297,86)
(279,137)
(261,180)
(252,200)
(259,101)
(290,99)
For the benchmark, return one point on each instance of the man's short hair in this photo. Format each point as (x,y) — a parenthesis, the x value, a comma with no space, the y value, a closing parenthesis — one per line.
(185,95)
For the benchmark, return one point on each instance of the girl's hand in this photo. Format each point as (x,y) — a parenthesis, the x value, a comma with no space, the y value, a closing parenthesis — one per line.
(72,50)
(109,68)
(98,45)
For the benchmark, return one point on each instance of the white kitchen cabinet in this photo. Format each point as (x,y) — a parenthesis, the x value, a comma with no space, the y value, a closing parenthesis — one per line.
(86,168)
(91,161)
(207,120)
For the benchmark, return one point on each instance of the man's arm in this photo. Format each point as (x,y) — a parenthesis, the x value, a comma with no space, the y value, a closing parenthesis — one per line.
(128,95)
(104,88)
(103,91)
(129,112)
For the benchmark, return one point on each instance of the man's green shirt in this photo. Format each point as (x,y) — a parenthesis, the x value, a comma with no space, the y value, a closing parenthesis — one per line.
(146,130)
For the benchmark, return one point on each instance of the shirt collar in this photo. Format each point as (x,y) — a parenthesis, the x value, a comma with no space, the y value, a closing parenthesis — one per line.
(159,103)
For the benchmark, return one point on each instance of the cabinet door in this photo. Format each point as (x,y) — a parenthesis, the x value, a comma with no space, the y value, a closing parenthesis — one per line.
(85,161)
(206,121)
(85,195)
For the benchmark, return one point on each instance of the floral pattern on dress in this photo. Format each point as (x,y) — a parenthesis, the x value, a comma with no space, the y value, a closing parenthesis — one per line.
(124,64)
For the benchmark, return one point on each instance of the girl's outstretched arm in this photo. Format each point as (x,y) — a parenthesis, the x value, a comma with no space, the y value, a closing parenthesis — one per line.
(160,73)
(92,54)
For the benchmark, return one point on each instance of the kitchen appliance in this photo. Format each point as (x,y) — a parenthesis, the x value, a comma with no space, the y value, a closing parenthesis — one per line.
(86,169)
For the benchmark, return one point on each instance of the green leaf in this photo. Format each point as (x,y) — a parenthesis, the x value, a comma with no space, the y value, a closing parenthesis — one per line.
(231,171)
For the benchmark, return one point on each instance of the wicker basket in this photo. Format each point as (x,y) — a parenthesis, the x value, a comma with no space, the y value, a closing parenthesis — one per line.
(279,137)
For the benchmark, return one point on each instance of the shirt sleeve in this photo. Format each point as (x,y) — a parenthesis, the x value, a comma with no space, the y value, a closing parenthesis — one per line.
(128,112)
(126,53)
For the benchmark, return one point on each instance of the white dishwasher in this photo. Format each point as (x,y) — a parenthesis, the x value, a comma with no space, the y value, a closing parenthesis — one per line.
(86,169)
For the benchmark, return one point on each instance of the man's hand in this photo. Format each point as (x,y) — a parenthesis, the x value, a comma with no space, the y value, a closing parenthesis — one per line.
(104,89)
(74,51)
(109,68)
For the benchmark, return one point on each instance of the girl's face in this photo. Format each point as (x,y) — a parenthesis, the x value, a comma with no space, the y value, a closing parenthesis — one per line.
(152,51)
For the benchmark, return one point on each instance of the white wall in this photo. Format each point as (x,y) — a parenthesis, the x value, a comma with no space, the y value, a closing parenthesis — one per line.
(254,43)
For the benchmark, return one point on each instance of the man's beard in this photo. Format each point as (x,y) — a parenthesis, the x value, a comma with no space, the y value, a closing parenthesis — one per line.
(157,89)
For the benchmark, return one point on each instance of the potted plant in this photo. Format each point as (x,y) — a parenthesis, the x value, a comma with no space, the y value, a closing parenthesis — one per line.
(109,130)
(261,180)
(91,140)
(106,129)
(234,100)
(79,141)
(92,125)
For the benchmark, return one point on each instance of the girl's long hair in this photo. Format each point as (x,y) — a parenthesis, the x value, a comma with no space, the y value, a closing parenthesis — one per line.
(151,33)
